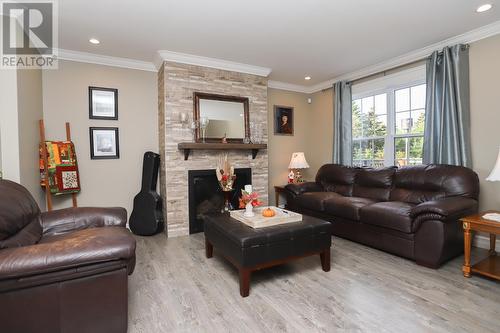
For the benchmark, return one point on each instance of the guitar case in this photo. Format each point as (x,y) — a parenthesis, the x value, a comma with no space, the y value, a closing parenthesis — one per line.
(147,216)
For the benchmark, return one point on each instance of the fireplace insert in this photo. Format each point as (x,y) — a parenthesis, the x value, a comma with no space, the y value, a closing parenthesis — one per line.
(206,196)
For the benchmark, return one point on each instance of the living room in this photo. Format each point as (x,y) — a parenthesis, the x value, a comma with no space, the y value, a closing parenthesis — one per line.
(142,144)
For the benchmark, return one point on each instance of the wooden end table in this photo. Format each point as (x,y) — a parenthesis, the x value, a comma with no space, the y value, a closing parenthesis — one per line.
(490,266)
(278,189)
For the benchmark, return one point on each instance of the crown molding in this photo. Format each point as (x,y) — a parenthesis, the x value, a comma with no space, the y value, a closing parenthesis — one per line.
(466,38)
(288,86)
(190,59)
(99,59)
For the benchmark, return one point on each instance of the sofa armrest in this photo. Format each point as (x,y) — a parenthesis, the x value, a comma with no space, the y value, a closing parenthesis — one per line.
(75,250)
(452,207)
(300,188)
(71,219)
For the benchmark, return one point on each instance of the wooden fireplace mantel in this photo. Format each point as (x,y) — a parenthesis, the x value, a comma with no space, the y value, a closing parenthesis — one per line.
(188,146)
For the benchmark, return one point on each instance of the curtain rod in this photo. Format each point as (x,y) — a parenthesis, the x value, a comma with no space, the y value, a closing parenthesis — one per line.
(384,72)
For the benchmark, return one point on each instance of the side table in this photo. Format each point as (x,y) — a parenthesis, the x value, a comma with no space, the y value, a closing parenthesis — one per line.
(278,189)
(490,266)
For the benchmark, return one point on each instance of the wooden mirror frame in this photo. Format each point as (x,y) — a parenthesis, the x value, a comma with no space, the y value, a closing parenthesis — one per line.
(196,116)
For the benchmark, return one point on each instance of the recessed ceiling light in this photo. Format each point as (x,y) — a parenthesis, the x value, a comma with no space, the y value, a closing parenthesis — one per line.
(94,41)
(484,8)
(307,78)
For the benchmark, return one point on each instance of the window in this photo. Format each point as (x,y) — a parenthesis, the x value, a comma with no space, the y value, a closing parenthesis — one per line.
(409,126)
(369,129)
(388,125)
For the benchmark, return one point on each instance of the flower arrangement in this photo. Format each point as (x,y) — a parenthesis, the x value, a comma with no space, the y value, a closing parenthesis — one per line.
(247,198)
(225,173)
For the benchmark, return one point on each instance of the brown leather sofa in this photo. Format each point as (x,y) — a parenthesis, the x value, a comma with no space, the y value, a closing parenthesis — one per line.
(62,271)
(412,211)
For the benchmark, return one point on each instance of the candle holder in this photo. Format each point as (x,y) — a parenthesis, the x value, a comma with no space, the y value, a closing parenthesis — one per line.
(203,125)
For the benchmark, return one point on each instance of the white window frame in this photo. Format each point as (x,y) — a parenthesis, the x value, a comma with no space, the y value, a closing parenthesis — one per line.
(388,85)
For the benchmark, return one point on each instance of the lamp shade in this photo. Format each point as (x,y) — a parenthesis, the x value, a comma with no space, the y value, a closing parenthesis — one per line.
(298,161)
(495,173)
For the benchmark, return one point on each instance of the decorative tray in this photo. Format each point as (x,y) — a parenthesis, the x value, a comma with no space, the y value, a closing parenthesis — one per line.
(282,216)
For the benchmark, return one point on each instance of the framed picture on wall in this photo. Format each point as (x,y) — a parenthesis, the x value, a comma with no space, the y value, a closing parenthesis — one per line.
(283,120)
(104,143)
(103,103)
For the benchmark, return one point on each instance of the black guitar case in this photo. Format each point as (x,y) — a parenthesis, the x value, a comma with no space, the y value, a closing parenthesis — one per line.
(147,217)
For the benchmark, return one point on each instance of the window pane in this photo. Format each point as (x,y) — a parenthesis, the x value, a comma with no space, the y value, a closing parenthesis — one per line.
(418,97)
(418,117)
(378,153)
(356,119)
(416,149)
(408,151)
(400,151)
(368,152)
(403,99)
(403,122)
(356,152)
(367,104)
(381,104)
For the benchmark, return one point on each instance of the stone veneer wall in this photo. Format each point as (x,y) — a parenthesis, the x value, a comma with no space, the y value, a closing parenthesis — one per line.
(176,84)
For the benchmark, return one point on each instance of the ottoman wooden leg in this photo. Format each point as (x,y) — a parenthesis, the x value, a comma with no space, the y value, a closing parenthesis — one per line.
(209,249)
(325,260)
(244,282)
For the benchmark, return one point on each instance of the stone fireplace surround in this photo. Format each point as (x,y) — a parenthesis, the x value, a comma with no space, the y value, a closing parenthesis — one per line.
(176,84)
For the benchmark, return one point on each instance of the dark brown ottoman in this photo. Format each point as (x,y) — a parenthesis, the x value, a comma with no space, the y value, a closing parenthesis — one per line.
(252,249)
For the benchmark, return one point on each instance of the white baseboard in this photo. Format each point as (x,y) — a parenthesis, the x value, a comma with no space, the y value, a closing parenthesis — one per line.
(483,242)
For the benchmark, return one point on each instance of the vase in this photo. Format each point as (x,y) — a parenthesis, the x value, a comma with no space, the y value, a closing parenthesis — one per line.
(227,201)
(248,210)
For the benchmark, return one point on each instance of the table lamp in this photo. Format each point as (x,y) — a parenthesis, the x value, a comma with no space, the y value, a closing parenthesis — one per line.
(297,162)
(494,177)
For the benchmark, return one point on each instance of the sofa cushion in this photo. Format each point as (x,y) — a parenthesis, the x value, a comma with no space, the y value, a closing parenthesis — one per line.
(337,178)
(421,183)
(19,216)
(391,214)
(374,183)
(315,200)
(83,247)
(346,207)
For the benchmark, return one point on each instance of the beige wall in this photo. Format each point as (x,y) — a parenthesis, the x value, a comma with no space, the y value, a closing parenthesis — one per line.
(21,108)
(9,126)
(65,98)
(30,111)
(320,132)
(281,147)
(485,115)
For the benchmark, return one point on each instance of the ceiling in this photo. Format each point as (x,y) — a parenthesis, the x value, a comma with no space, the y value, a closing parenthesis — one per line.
(319,38)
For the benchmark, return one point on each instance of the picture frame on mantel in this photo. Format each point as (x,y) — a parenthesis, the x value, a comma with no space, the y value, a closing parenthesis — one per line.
(103,103)
(283,120)
(104,143)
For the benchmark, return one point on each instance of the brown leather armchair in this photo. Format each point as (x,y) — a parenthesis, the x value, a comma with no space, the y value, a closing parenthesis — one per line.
(62,271)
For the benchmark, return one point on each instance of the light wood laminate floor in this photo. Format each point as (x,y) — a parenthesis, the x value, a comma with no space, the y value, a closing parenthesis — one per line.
(176,289)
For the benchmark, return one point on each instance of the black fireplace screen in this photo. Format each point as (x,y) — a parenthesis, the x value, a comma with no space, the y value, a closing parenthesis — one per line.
(206,197)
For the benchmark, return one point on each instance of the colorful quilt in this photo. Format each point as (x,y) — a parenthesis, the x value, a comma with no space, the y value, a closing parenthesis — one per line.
(62,168)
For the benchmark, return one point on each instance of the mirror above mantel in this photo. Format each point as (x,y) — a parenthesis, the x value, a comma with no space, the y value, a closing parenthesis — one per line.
(227,117)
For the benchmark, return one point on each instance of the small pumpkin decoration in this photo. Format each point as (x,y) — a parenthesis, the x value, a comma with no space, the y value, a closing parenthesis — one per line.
(268,212)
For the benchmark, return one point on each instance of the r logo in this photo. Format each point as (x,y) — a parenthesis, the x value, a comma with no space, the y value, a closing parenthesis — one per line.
(28,28)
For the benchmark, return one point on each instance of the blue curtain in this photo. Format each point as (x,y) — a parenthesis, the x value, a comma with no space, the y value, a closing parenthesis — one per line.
(447,109)
(342,123)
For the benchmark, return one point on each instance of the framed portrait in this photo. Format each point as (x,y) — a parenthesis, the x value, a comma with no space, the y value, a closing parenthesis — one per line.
(104,143)
(283,120)
(103,103)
